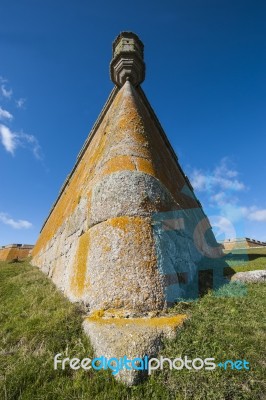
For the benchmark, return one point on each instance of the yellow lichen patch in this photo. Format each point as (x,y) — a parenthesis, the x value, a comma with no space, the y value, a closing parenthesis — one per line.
(130,116)
(119,163)
(77,283)
(117,99)
(97,314)
(173,321)
(125,222)
(146,166)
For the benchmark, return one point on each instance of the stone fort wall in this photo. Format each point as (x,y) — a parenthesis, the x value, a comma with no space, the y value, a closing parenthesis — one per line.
(242,243)
(15,251)
(97,244)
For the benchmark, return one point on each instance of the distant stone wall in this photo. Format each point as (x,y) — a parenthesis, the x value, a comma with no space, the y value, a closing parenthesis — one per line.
(242,243)
(15,251)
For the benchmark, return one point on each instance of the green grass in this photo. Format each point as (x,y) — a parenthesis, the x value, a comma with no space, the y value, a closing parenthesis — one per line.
(247,260)
(37,322)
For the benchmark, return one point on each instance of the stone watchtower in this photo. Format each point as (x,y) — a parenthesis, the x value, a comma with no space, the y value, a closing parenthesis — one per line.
(101,242)
(127,62)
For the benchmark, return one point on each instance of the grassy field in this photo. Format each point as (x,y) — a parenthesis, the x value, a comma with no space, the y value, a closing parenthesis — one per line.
(37,322)
(247,260)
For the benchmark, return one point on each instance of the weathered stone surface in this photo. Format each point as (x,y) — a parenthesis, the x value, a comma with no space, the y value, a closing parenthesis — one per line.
(250,276)
(126,140)
(127,62)
(133,337)
(129,193)
(122,266)
(57,258)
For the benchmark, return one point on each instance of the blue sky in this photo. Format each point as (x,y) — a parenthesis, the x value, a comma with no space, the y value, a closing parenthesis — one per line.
(206,80)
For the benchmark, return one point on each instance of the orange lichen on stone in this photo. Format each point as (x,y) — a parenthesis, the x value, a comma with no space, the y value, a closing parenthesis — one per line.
(126,223)
(118,163)
(97,314)
(77,284)
(171,321)
(146,166)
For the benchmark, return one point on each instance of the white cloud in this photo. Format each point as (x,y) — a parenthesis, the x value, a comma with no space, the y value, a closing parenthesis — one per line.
(222,178)
(234,212)
(221,188)
(8,138)
(5,92)
(16,224)
(224,170)
(20,103)
(258,215)
(223,227)
(4,114)
(12,140)
(225,183)
(219,198)
(32,142)
(198,180)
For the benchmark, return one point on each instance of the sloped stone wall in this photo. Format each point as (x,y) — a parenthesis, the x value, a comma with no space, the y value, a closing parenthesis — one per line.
(97,244)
